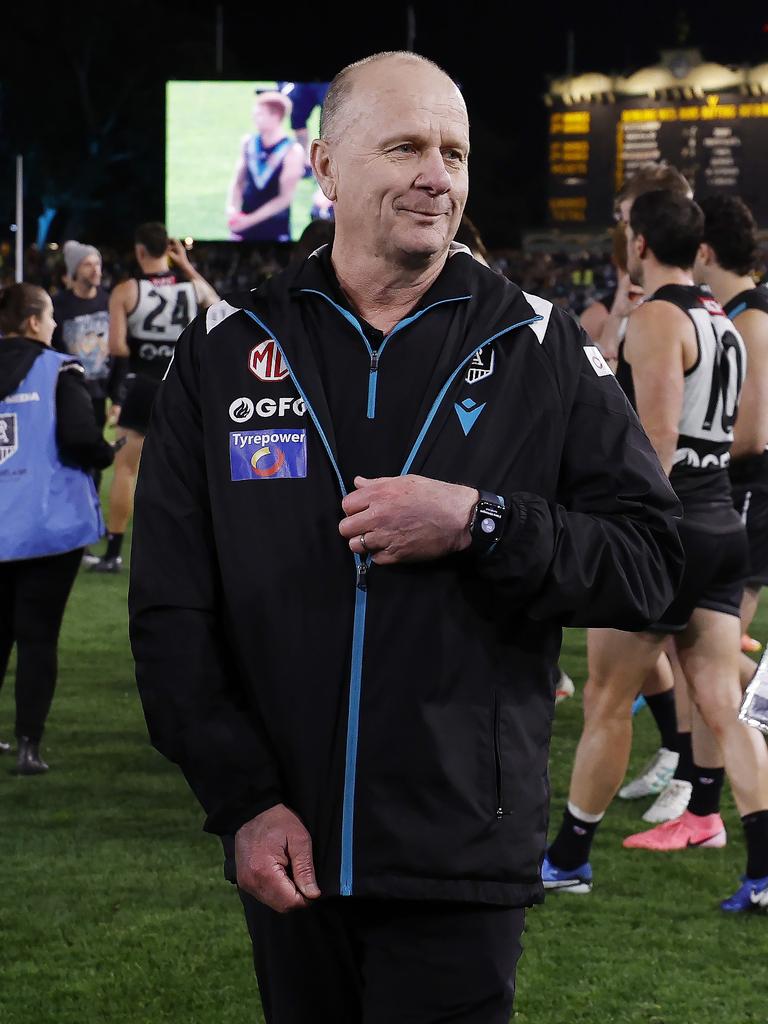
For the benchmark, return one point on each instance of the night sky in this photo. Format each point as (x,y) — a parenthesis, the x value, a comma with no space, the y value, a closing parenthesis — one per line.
(82,92)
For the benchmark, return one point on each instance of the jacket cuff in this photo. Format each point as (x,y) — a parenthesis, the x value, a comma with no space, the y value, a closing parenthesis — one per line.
(228,817)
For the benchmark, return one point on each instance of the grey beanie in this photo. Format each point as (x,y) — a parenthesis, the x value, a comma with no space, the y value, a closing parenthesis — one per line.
(75,253)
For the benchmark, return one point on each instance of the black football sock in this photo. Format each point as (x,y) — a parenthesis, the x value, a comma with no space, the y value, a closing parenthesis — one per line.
(662,707)
(114,545)
(684,770)
(707,787)
(574,840)
(756,836)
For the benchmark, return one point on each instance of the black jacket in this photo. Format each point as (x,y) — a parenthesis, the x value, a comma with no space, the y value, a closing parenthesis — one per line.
(404,712)
(78,436)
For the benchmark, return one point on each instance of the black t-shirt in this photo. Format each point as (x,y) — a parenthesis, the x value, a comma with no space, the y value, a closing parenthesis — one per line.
(412,365)
(82,331)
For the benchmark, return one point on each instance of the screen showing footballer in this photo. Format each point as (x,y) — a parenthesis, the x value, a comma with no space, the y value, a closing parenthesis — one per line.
(237,160)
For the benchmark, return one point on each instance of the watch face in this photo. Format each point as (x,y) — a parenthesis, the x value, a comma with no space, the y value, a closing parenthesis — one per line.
(487,525)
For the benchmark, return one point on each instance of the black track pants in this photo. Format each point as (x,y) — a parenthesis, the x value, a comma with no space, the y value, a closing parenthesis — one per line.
(364,961)
(33,595)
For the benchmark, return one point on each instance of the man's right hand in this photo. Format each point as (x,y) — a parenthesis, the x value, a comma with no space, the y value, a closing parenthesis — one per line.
(628,296)
(273,855)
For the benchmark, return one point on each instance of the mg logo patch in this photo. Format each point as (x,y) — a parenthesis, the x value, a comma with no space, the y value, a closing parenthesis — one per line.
(481,365)
(9,435)
(265,362)
(268,454)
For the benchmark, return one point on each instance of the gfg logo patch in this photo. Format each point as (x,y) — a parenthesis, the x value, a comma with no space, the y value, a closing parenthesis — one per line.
(268,454)
(241,410)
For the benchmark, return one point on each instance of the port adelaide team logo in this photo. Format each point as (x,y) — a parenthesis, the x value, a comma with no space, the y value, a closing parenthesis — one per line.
(266,363)
(482,365)
(9,436)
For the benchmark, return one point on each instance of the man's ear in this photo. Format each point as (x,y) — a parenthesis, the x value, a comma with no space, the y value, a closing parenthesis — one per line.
(707,254)
(641,245)
(324,168)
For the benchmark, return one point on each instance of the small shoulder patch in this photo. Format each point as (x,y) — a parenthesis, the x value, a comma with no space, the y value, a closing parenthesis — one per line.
(596,361)
(542,308)
(217,314)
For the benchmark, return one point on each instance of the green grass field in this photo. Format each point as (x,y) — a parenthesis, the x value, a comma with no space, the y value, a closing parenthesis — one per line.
(113,907)
(206,122)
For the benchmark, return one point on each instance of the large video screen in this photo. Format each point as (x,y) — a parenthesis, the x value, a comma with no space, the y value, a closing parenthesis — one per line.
(237,160)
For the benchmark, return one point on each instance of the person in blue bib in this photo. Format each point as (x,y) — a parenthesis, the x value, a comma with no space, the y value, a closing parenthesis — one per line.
(49,443)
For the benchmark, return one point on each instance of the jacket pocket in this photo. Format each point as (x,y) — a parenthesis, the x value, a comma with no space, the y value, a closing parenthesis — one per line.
(498,759)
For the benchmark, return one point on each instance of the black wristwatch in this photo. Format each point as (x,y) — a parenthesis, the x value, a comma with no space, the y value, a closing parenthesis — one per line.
(487,522)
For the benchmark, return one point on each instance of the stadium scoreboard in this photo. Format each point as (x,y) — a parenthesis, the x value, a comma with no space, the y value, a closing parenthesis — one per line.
(719,142)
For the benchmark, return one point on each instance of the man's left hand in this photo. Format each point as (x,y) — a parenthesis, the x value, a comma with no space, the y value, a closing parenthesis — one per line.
(407,518)
(178,254)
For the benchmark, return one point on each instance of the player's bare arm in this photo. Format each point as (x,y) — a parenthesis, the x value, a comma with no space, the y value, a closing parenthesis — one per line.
(235,195)
(122,300)
(206,294)
(658,346)
(750,433)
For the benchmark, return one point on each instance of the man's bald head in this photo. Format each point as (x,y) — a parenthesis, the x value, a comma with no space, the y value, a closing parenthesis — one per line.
(332,113)
(393,158)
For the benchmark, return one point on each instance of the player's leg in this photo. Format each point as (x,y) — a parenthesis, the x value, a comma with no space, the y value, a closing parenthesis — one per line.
(709,655)
(126,468)
(659,692)
(673,798)
(618,665)
(709,652)
(749,605)
(712,665)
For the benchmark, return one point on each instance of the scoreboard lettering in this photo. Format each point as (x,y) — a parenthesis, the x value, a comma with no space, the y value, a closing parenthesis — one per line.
(720,144)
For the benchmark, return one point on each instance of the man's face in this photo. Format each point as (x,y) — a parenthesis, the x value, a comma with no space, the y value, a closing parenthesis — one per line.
(399,164)
(89,272)
(624,209)
(635,245)
(265,117)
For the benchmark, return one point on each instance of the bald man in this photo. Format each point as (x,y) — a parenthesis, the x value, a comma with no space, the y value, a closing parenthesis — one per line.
(374,490)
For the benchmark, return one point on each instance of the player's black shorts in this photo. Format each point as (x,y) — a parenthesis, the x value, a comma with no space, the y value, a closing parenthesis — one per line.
(716,564)
(751,502)
(305,96)
(137,404)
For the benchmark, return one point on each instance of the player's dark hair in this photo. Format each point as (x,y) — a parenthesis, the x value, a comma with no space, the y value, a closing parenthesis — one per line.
(153,237)
(671,224)
(341,86)
(314,235)
(730,229)
(652,177)
(467,234)
(18,302)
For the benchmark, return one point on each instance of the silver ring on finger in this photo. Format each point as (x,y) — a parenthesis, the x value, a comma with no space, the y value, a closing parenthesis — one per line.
(363,544)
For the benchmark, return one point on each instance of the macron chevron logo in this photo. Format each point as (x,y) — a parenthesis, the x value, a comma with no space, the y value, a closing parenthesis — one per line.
(468,411)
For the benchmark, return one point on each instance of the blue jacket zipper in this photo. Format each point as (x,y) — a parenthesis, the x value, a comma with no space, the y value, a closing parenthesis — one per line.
(376,354)
(362,566)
